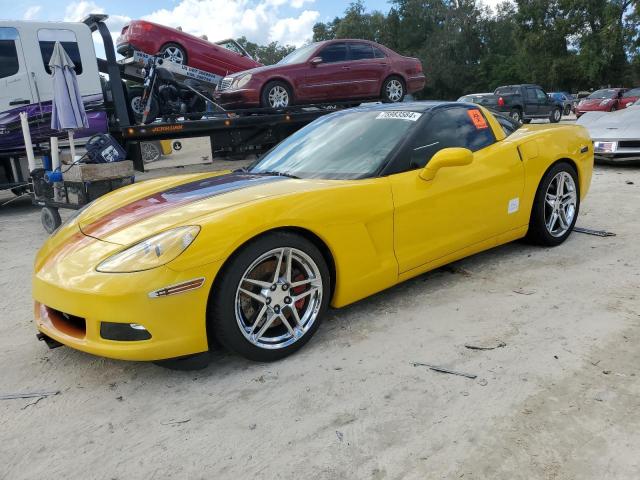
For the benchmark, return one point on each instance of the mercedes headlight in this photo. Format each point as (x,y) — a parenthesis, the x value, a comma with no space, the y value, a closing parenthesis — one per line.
(241,81)
(152,252)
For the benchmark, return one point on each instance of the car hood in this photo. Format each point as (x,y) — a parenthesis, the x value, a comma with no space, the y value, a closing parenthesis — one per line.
(264,69)
(592,102)
(620,124)
(133,213)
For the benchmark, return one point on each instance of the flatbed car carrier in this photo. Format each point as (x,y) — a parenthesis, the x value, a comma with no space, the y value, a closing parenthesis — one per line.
(232,133)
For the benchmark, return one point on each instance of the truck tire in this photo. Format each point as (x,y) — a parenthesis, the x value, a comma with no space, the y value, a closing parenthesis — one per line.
(556,115)
(516,115)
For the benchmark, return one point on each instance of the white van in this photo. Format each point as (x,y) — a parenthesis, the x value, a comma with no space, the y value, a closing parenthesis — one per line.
(26,83)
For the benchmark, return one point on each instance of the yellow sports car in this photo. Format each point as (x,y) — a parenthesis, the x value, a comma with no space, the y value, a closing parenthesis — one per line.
(353,203)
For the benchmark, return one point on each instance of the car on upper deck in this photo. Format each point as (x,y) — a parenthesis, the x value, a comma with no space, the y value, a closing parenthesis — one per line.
(355,202)
(334,70)
(220,58)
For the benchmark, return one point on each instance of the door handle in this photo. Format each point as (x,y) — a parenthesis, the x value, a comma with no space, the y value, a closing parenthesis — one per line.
(18,101)
(346,68)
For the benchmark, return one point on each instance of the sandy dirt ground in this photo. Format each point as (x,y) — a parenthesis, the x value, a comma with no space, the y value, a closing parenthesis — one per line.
(560,400)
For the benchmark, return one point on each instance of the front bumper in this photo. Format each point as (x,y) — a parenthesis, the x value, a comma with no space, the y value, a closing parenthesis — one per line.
(625,151)
(244,98)
(72,301)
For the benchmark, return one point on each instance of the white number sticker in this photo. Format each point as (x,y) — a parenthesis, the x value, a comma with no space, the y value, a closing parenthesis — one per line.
(400,115)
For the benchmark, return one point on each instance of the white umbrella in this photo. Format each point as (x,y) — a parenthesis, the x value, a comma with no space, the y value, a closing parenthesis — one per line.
(68,109)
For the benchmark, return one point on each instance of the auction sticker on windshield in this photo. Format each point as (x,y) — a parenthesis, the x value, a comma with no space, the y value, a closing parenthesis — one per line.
(400,115)
(477,119)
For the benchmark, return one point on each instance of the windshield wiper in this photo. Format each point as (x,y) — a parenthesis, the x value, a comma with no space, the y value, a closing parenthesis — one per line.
(273,173)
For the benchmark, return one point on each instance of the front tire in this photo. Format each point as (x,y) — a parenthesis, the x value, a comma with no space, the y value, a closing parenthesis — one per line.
(393,90)
(271,297)
(556,206)
(276,94)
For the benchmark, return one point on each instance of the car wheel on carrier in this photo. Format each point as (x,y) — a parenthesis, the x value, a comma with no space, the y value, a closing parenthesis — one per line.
(556,115)
(276,94)
(174,53)
(556,206)
(393,90)
(50,218)
(270,297)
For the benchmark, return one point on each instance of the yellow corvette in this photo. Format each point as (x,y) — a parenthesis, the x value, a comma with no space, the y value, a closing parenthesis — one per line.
(353,203)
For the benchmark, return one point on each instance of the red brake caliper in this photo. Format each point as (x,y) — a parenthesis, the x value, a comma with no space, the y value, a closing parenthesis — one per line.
(298,290)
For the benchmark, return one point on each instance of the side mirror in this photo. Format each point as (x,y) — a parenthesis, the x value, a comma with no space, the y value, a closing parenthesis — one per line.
(447,157)
(315,61)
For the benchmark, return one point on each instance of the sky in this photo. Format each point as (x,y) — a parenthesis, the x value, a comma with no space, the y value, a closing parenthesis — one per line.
(261,21)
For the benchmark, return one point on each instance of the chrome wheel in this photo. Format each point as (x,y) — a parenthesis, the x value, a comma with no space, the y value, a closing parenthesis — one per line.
(278,97)
(394,90)
(560,204)
(557,115)
(173,54)
(278,298)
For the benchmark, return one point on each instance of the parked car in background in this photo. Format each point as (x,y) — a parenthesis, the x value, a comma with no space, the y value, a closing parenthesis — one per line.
(524,103)
(479,98)
(334,70)
(615,135)
(604,100)
(630,97)
(220,58)
(568,101)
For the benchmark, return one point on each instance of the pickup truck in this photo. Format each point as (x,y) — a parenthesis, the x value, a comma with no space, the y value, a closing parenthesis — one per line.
(523,103)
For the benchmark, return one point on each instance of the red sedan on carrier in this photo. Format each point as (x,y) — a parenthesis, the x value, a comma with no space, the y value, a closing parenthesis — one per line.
(604,100)
(221,58)
(334,70)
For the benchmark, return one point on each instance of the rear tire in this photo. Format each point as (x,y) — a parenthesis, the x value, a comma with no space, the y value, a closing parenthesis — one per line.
(516,115)
(253,324)
(174,53)
(540,231)
(393,90)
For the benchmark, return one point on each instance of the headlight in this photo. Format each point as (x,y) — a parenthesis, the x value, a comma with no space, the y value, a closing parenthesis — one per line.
(241,81)
(152,252)
(605,147)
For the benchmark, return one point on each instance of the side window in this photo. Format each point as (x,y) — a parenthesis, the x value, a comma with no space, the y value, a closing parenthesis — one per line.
(47,37)
(453,127)
(9,64)
(541,95)
(361,51)
(336,52)
(378,53)
(531,94)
